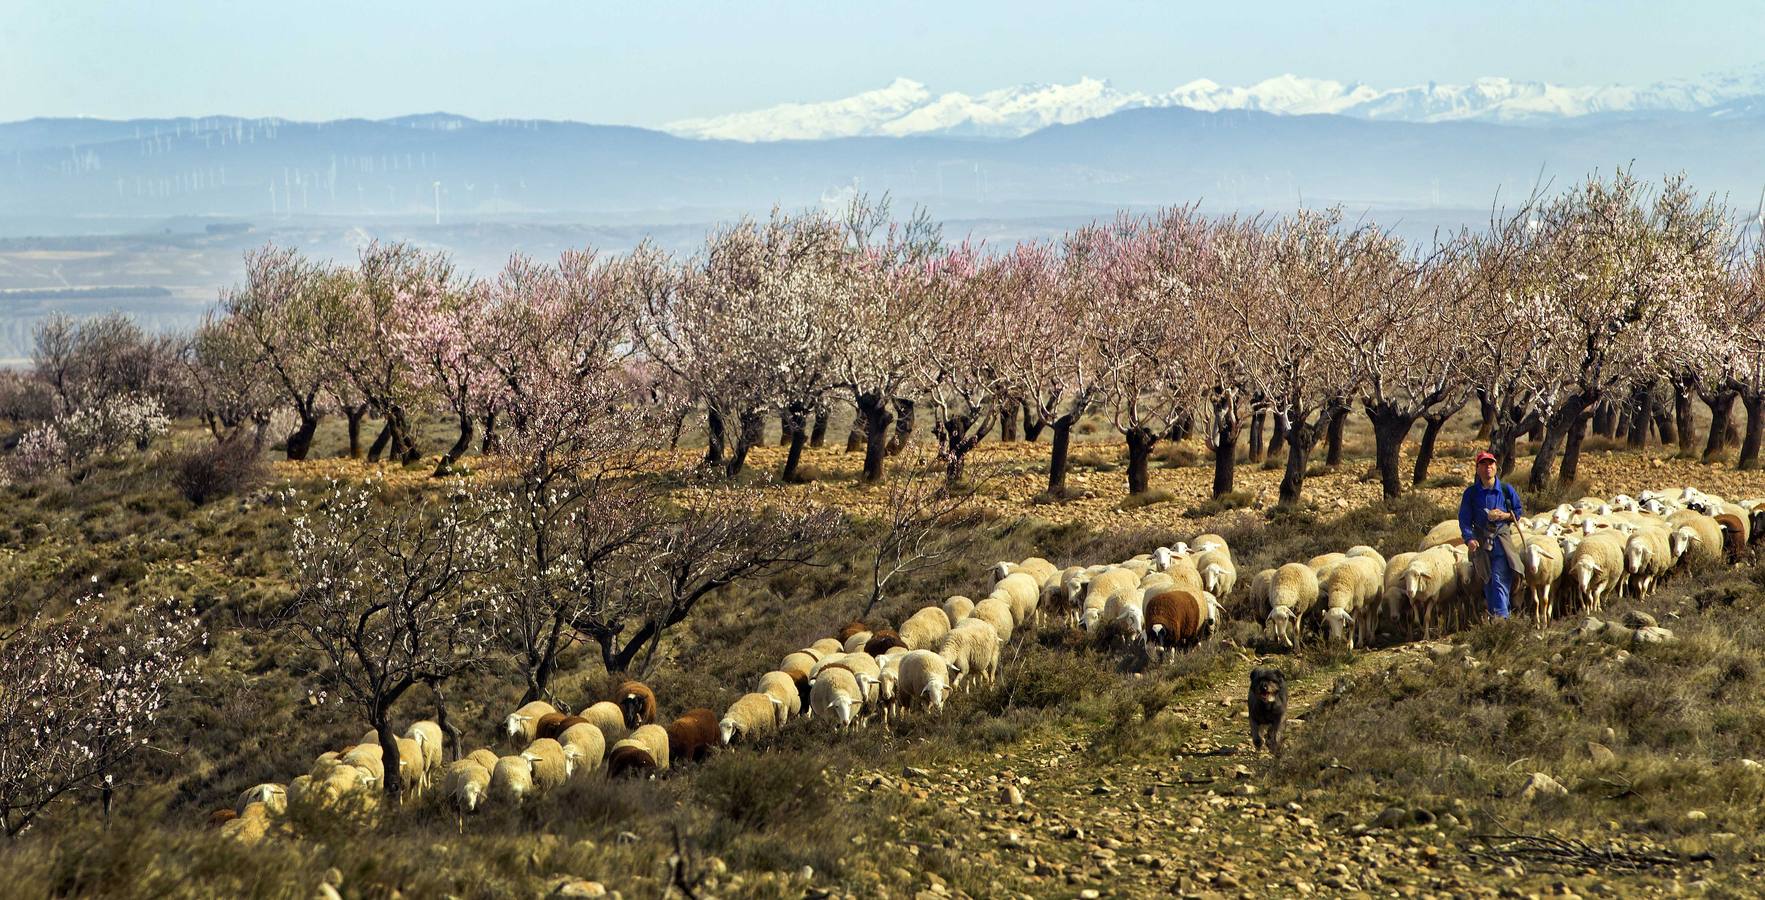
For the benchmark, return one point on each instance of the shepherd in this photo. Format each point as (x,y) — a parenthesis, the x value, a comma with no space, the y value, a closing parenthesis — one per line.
(1487,516)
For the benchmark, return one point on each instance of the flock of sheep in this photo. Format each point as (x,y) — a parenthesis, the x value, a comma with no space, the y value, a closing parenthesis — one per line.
(1155,604)
(1572,559)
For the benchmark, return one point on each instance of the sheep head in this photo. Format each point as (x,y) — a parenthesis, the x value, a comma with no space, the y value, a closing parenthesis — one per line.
(1280,624)
(512,725)
(935,693)
(726,731)
(1000,570)
(1414,579)
(1681,540)
(1339,623)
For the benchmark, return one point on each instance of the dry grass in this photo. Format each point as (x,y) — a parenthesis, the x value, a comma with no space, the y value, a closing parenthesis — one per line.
(246,717)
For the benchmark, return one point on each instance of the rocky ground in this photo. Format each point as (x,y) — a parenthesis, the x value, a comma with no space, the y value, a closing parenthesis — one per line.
(1046,817)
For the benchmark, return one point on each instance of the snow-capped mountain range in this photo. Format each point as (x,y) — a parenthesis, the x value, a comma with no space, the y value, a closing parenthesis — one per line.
(907,107)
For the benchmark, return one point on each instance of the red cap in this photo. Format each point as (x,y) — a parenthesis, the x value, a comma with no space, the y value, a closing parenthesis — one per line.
(1484,456)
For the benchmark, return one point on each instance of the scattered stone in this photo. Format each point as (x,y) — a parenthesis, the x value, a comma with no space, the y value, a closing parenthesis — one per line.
(1751,764)
(626,837)
(1393,817)
(1601,754)
(1010,795)
(327,892)
(1696,815)
(577,887)
(1636,618)
(914,772)
(1539,785)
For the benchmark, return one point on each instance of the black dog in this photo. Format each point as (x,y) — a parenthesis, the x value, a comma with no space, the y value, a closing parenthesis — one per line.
(1268,707)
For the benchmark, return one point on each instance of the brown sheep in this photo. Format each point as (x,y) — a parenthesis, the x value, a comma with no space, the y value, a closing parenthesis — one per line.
(882,641)
(551,728)
(221,817)
(644,753)
(638,703)
(851,628)
(1173,620)
(692,735)
(548,725)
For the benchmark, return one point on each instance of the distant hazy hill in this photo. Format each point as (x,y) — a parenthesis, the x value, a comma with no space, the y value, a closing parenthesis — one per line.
(257,169)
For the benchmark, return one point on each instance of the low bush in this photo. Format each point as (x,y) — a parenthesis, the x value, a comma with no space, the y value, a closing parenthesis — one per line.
(211,471)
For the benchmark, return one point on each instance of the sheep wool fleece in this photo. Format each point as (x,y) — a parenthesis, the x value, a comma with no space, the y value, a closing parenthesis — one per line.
(1474,523)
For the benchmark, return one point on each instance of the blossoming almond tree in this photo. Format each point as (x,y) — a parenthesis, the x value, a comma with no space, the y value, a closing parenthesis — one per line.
(284,310)
(79,695)
(1052,365)
(390,591)
(1295,356)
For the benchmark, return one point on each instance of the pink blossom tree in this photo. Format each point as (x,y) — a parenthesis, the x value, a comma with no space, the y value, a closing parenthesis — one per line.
(874,355)
(958,369)
(1053,366)
(284,310)
(1314,269)
(441,336)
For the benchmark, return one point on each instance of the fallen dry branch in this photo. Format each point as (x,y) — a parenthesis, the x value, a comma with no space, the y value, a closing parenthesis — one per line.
(1571,852)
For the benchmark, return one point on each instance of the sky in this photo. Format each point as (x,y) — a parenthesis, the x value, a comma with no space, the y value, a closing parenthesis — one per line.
(647,62)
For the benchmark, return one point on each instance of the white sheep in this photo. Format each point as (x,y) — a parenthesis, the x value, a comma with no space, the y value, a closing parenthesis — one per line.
(428,736)
(1595,567)
(609,718)
(1366,551)
(1218,574)
(1021,593)
(925,681)
(972,649)
(1124,616)
(837,696)
(1391,597)
(1293,591)
(466,785)
(1426,583)
(512,780)
(857,641)
(864,668)
(827,646)
(1542,561)
(551,766)
(586,746)
(994,611)
(782,688)
(1101,588)
(1349,590)
(519,726)
(1258,590)
(1206,541)
(925,628)
(1695,536)
(1443,534)
(957,608)
(750,717)
(1647,554)
(274,798)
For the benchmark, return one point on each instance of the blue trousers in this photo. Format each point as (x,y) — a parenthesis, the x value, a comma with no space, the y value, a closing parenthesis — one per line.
(1501,581)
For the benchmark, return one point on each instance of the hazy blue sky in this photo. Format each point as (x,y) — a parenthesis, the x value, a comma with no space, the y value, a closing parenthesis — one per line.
(646,62)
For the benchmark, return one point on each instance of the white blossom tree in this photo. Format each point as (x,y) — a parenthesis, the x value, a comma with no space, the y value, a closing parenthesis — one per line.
(391,592)
(79,696)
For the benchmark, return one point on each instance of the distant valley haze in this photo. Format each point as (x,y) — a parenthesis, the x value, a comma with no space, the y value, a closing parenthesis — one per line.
(589,125)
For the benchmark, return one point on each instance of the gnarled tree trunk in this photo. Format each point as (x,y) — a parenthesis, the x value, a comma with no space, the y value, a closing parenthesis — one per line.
(1061,437)
(1390,427)
(1140,444)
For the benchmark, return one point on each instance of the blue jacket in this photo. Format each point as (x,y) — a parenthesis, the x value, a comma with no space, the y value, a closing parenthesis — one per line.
(1474,507)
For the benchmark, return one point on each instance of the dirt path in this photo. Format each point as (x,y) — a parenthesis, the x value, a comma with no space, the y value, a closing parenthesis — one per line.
(1044,817)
